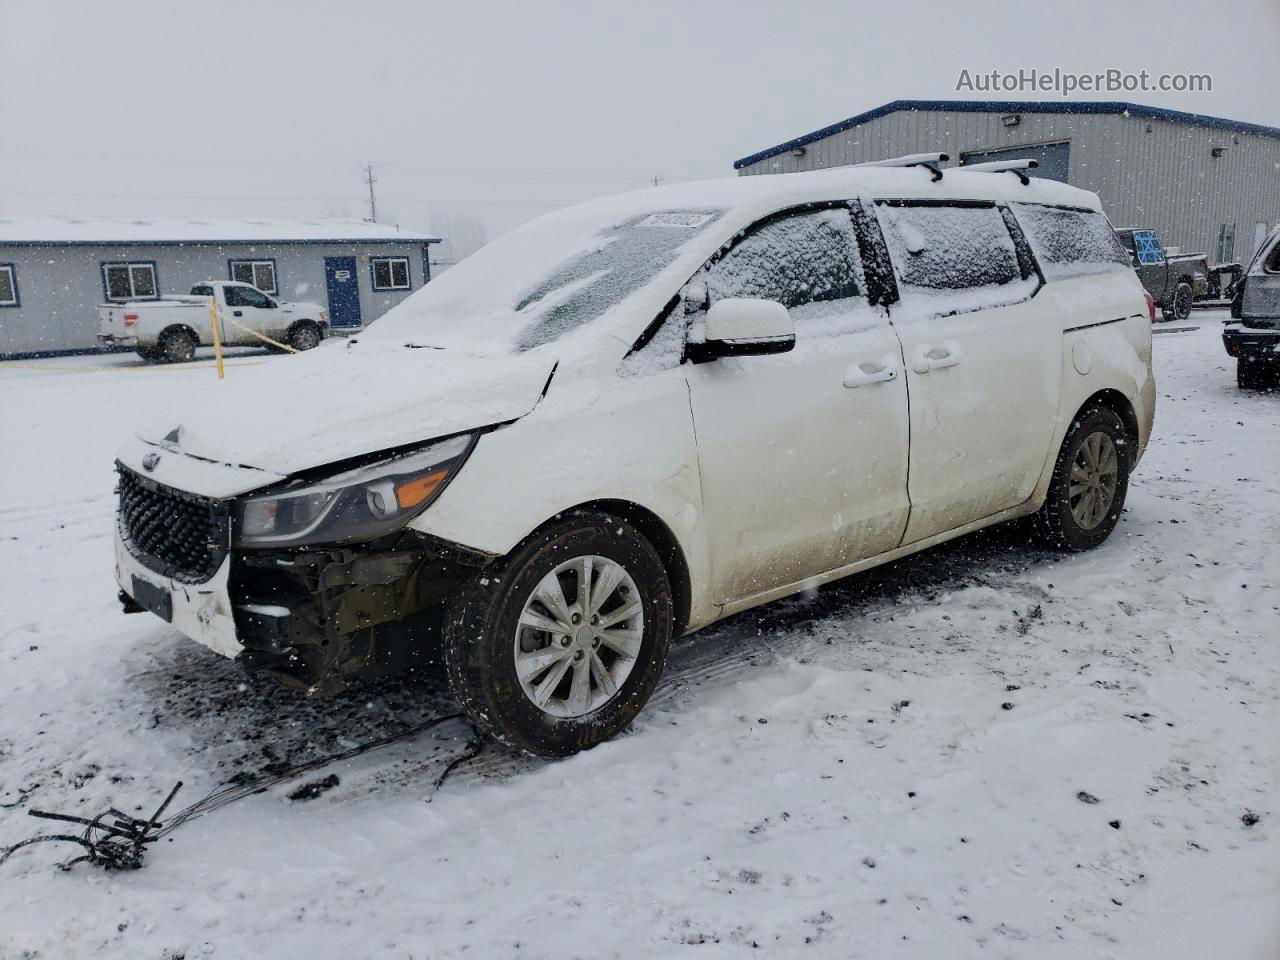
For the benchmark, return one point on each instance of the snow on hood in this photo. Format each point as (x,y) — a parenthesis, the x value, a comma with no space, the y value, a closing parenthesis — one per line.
(343,401)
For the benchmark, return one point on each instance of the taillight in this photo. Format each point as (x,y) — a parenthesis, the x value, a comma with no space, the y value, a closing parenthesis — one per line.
(131,318)
(1151,306)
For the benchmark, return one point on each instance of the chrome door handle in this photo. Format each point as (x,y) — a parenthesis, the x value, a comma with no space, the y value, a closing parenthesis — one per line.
(935,357)
(870,371)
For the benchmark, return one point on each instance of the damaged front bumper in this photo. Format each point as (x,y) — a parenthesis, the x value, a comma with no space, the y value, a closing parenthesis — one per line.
(202,611)
(310,616)
(313,618)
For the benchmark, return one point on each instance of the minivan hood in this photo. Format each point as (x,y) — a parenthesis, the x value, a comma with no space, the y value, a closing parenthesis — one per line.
(341,401)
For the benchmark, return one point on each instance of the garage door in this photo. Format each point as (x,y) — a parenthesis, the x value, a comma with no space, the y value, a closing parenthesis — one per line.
(1054,158)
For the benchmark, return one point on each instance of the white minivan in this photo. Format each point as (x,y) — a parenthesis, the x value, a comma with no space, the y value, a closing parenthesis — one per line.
(636,416)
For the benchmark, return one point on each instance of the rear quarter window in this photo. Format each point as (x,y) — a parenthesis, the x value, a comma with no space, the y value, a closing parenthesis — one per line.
(1071,243)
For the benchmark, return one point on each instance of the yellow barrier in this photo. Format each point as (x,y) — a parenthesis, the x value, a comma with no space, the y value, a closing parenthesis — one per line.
(217,335)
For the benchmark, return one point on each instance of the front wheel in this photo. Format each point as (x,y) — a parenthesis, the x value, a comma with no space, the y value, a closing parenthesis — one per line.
(1090,480)
(557,647)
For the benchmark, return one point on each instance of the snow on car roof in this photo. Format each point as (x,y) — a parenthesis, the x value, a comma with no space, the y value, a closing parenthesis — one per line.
(758,195)
(18,230)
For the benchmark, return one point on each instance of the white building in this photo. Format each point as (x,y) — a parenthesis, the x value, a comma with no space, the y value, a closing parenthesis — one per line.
(54,271)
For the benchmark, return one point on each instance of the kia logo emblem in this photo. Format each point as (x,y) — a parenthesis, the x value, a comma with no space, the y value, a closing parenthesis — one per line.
(150,461)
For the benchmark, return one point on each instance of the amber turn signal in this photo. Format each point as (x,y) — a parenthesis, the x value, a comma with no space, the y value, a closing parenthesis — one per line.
(413,492)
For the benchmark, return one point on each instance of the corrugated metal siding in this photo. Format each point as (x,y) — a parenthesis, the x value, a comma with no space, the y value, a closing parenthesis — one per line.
(61,286)
(1165,179)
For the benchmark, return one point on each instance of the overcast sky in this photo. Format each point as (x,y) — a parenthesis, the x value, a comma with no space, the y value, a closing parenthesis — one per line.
(479,116)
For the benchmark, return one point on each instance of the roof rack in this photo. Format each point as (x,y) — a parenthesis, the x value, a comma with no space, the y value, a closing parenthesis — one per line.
(1006,166)
(929,161)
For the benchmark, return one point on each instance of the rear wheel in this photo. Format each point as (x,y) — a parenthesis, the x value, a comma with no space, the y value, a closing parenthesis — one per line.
(1257,374)
(304,336)
(1090,480)
(149,354)
(557,647)
(1179,306)
(176,346)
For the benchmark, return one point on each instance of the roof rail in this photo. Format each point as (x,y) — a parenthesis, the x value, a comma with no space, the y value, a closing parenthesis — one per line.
(910,160)
(929,161)
(1005,166)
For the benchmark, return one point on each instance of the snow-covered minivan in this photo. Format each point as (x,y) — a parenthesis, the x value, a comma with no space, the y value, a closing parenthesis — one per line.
(639,415)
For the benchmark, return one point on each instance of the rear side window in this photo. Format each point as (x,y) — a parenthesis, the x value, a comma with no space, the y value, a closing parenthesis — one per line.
(202,290)
(953,258)
(1070,243)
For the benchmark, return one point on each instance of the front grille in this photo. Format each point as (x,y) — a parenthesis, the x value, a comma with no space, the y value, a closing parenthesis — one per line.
(177,534)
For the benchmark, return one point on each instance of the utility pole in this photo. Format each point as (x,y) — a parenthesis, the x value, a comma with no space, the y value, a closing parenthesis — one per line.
(370,179)
(657,180)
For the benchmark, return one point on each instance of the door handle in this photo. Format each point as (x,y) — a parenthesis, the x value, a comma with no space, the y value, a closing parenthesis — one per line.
(935,357)
(871,371)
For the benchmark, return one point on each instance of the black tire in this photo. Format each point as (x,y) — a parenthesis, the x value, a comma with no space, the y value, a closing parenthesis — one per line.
(1257,374)
(176,346)
(304,335)
(149,354)
(1056,523)
(1179,307)
(480,636)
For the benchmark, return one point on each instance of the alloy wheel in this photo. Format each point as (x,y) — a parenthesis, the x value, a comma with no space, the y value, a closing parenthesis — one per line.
(578,636)
(1094,475)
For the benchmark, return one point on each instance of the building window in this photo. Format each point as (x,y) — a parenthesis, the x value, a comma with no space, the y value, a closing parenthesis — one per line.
(390,273)
(260,273)
(130,281)
(8,286)
(1226,242)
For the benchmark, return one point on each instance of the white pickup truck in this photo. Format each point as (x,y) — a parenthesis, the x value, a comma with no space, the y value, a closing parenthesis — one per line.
(169,330)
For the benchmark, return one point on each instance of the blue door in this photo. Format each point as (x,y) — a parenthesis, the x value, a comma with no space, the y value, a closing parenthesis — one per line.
(344,291)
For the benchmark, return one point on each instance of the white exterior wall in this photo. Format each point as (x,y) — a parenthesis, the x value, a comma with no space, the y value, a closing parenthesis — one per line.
(60,286)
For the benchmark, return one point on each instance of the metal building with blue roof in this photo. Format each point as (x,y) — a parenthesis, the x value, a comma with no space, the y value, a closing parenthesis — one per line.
(1204,183)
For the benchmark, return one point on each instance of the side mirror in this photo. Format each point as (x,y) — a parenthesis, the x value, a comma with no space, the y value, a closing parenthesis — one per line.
(738,327)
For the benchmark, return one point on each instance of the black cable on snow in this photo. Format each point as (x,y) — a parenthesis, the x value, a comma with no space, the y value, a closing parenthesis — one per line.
(117,841)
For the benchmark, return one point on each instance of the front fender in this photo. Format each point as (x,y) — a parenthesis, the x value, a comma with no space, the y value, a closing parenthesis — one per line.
(632,442)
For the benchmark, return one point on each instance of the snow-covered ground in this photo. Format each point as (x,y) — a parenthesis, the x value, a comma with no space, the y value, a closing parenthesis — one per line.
(987,750)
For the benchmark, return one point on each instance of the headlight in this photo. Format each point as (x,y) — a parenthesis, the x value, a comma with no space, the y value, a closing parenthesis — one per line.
(358,504)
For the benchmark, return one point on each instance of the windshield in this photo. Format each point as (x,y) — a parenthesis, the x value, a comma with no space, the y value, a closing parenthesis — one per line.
(544,280)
